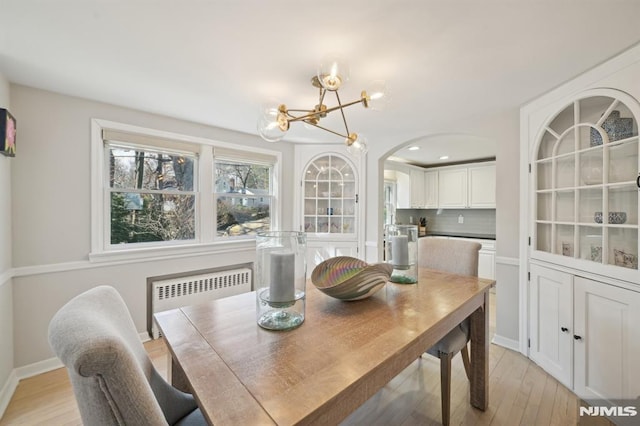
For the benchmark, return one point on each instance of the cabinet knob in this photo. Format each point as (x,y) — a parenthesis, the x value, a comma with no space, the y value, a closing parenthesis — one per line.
(638,181)
(575,336)
(564,329)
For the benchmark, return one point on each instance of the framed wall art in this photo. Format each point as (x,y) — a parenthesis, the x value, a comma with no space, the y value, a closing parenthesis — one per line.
(7,133)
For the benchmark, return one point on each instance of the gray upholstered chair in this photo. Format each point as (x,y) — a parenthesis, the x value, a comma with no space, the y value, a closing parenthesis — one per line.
(113,378)
(458,257)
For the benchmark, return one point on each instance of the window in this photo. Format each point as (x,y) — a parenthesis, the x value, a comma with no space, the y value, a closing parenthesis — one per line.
(389,202)
(243,198)
(160,191)
(152,195)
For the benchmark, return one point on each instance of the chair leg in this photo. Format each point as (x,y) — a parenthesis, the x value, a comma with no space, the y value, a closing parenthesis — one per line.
(445,386)
(465,360)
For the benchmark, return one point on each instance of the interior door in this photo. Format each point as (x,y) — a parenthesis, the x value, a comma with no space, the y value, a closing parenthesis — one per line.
(329,197)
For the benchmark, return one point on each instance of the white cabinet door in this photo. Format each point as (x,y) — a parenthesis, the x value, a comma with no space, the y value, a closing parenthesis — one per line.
(417,189)
(551,322)
(452,188)
(607,343)
(482,186)
(403,188)
(431,190)
(486,264)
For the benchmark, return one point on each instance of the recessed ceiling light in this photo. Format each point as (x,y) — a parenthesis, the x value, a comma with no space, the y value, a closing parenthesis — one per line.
(414,148)
(444,157)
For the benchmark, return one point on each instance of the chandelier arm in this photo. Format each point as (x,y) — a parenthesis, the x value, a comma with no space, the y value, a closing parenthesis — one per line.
(341,106)
(299,110)
(315,113)
(311,114)
(329,130)
(344,119)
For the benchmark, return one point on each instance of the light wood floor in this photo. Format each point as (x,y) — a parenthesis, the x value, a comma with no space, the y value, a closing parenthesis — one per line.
(520,393)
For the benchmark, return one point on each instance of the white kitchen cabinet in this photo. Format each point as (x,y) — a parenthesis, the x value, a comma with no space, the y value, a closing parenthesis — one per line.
(482,186)
(487,263)
(585,333)
(467,187)
(417,189)
(403,190)
(452,188)
(431,190)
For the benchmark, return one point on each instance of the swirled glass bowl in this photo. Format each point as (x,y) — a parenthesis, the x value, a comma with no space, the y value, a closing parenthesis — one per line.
(348,278)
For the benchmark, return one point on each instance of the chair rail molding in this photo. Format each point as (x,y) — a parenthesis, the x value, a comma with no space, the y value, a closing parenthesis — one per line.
(5,276)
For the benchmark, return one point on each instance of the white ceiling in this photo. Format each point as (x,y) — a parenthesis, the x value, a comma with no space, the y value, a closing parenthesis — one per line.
(216,62)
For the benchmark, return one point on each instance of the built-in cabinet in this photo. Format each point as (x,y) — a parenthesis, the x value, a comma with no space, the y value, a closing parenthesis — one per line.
(585,333)
(583,244)
(330,196)
(328,201)
(586,196)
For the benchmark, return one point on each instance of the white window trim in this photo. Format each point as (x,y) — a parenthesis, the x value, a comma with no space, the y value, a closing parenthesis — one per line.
(205,241)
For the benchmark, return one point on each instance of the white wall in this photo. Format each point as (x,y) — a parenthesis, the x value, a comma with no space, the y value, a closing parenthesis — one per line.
(51,210)
(6,285)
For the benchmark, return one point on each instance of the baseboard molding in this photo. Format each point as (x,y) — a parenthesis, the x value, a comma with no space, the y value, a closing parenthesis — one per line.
(514,345)
(36,368)
(7,392)
(50,364)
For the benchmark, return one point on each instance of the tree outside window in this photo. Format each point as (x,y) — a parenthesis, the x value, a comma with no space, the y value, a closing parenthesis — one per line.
(152,195)
(243,196)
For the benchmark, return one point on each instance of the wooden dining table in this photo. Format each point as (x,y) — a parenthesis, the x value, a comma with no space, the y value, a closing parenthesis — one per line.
(320,372)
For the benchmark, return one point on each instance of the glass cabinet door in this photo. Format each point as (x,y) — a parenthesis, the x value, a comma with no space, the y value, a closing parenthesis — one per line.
(330,196)
(586,195)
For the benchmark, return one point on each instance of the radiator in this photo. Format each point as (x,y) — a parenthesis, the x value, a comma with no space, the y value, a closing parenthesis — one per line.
(194,289)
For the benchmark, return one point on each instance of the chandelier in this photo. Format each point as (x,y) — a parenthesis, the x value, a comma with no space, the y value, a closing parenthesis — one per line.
(276,119)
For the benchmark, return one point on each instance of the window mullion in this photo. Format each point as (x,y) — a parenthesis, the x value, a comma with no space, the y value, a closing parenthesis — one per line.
(206,212)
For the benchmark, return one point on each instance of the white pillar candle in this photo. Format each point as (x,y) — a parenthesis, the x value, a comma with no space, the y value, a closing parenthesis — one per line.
(282,277)
(400,250)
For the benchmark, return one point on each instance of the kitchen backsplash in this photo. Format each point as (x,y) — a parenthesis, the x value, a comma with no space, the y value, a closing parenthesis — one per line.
(475,221)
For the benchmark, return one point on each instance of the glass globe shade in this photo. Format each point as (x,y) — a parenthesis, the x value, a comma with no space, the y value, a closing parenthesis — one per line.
(358,147)
(378,93)
(332,73)
(268,126)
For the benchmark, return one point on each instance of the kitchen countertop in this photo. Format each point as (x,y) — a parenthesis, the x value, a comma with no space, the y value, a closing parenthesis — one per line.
(461,235)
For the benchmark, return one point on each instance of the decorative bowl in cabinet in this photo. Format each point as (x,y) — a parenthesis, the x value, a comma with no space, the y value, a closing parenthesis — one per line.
(348,278)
